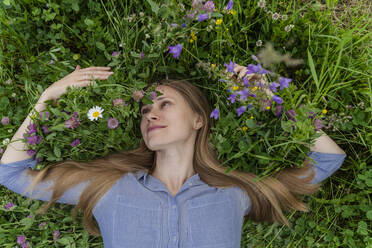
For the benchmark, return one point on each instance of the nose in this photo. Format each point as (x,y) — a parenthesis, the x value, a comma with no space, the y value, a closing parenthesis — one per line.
(152,114)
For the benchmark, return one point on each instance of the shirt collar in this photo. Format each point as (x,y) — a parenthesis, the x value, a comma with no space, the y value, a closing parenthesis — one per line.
(143,177)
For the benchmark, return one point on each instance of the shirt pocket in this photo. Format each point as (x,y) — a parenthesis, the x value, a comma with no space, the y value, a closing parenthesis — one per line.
(136,223)
(212,219)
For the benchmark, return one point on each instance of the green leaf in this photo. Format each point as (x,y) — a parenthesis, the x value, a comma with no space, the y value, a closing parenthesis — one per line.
(59,127)
(100,45)
(312,68)
(57,151)
(362,228)
(75,6)
(89,22)
(6,2)
(154,6)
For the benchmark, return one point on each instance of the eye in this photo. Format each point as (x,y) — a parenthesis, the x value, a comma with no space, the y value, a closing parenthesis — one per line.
(144,111)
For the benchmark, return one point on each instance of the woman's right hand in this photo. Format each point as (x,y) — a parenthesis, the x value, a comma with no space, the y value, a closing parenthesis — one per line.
(79,78)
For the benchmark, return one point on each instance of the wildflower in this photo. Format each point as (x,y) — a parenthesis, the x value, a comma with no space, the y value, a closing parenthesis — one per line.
(312,115)
(252,95)
(261,4)
(324,111)
(265,103)
(118,102)
(245,128)
(75,143)
(29,216)
(232,98)
(275,16)
(288,28)
(273,86)
(278,111)
(203,17)
(34,140)
(5,120)
(252,116)
(259,43)
(291,114)
(51,62)
(21,239)
(31,152)
(233,12)
(230,5)
(209,6)
(241,110)
(6,141)
(284,17)
(196,4)
(243,94)
(14,94)
(73,122)
(219,21)
(44,114)
(137,95)
(153,95)
(230,66)
(277,99)
(10,130)
(175,50)
(246,82)
(213,66)
(284,82)
(174,25)
(142,55)
(141,14)
(254,88)
(112,123)
(254,57)
(318,124)
(215,114)
(114,53)
(9,205)
(183,25)
(94,113)
(56,235)
(256,69)
(8,81)
(42,224)
(193,36)
(268,107)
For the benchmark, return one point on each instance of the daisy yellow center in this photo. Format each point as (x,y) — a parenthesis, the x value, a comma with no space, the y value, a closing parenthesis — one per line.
(96,114)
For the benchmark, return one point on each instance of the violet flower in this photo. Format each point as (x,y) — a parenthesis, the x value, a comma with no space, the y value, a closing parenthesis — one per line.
(241,110)
(203,17)
(230,66)
(230,5)
(112,123)
(175,50)
(215,114)
(75,143)
(284,82)
(232,98)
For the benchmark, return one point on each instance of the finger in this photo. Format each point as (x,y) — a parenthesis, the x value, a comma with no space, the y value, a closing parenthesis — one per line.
(93,77)
(78,67)
(96,68)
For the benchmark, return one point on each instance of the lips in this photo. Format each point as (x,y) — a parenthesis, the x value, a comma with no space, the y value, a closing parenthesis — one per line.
(154,127)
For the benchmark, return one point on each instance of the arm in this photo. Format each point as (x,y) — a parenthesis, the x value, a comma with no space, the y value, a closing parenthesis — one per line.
(16,150)
(13,176)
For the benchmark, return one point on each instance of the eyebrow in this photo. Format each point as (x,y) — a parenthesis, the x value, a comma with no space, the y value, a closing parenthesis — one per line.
(158,99)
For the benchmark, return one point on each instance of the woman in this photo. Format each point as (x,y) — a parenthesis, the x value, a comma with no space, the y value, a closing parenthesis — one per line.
(171,191)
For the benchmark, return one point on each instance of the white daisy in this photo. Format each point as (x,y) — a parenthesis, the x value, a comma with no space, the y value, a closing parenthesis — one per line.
(6,141)
(94,113)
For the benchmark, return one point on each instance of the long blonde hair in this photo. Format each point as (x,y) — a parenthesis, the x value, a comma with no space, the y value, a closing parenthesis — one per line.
(269,195)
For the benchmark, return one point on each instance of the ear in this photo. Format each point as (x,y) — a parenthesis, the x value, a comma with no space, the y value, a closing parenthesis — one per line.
(198,123)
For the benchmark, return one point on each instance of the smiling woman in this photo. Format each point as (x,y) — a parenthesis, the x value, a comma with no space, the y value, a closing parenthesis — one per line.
(172,190)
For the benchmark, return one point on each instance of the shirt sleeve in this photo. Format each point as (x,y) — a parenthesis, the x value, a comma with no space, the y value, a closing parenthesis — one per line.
(325,164)
(13,176)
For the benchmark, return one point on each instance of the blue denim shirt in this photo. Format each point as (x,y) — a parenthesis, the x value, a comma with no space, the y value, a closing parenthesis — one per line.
(139,212)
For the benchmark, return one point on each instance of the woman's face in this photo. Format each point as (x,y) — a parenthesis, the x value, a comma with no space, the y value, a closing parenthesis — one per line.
(171,111)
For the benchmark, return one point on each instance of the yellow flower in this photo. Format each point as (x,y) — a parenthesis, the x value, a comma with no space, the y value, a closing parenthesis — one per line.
(233,12)
(191,40)
(251,116)
(254,88)
(236,87)
(324,111)
(219,21)
(244,128)
(227,29)
(193,36)
(268,107)
(213,66)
